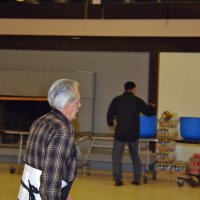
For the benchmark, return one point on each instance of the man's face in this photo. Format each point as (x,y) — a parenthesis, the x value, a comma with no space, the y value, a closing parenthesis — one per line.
(74,107)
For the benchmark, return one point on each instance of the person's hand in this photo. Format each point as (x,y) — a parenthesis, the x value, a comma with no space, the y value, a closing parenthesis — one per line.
(153,104)
(69,198)
(112,128)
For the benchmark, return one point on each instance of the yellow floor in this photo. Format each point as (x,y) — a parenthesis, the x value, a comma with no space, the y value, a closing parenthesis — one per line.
(99,185)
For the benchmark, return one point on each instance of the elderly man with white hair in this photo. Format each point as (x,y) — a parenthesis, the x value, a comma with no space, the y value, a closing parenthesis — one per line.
(50,157)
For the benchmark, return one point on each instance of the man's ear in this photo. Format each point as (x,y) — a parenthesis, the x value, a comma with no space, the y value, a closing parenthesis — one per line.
(134,90)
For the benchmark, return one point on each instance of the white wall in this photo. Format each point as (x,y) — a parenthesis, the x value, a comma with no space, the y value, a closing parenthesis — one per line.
(179,86)
(179,83)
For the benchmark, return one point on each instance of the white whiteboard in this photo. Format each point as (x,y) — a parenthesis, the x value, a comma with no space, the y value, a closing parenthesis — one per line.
(37,83)
(112,70)
(179,83)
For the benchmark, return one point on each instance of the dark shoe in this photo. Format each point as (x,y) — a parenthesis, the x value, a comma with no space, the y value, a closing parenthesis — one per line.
(118,183)
(136,182)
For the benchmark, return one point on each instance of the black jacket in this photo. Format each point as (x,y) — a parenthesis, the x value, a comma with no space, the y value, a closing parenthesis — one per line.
(125,109)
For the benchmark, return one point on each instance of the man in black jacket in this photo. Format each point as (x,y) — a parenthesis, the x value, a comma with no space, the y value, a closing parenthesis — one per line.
(125,110)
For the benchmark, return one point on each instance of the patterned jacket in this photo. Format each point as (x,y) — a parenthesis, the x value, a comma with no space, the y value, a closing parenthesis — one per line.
(50,148)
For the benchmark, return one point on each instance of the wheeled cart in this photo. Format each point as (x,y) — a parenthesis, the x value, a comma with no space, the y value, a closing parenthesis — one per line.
(147,161)
(193,180)
(192,176)
(102,141)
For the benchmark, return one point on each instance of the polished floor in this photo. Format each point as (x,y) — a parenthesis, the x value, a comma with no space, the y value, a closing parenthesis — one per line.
(99,186)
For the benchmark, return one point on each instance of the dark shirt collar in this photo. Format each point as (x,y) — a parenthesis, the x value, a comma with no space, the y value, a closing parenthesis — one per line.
(60,115)
(128,93)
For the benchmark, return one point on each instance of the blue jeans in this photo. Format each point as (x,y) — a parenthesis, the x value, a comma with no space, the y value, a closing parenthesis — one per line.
(118,149)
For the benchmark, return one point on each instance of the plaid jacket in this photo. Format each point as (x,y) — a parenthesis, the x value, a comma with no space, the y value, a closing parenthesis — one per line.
(50,148)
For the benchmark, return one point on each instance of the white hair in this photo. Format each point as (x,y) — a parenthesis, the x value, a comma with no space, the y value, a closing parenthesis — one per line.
(61,92)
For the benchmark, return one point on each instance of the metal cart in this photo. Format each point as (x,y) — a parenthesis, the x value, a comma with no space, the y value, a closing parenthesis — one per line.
(95,142)
(193,180)
(193,177)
